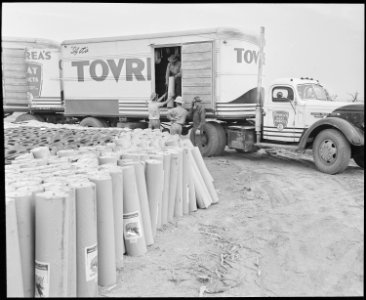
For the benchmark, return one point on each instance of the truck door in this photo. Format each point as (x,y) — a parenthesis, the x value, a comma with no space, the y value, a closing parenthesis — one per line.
(280,118)
(197,73)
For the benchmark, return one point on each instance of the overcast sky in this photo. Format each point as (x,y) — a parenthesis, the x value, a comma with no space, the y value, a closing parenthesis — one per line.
(323,41)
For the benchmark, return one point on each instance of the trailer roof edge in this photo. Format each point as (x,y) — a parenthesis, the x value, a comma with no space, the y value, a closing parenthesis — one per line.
(10,39)
(224,32)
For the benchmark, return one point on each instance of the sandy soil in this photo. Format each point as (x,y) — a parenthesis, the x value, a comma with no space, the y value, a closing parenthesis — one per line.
(281,228)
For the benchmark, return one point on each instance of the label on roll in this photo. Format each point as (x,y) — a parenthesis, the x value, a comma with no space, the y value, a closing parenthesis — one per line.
(42,279)
(132,228)
(91,262)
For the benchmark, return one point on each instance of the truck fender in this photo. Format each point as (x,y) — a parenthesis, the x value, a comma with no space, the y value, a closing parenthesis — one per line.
(354,135)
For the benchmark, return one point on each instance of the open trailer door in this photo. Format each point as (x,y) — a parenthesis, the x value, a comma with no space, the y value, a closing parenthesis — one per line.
(197,73)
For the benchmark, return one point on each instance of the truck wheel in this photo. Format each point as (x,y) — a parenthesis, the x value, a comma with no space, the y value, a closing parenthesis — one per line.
(331,151)
(93,122)
(209,142)
(222,139)
(28,117)
(358,156)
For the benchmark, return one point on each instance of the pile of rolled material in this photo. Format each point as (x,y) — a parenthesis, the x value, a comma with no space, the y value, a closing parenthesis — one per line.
(21,138)
(71,217)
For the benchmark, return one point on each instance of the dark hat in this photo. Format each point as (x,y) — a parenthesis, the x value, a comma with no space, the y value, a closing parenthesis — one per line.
(197,99)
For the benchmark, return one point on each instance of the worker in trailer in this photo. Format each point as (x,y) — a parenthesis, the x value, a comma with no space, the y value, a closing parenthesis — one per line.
(198,115)
(177,116)
(174,69)
(154,110)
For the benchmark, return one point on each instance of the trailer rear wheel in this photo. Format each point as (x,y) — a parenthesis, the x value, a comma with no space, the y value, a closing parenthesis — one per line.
(210,142)
(358,156)
(331,151)
(92,122)
(222,139)
(28,117)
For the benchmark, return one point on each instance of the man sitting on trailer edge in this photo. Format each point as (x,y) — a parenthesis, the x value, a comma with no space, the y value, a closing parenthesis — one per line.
(178,116)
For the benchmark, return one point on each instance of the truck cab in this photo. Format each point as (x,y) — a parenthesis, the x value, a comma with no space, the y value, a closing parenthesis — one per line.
(299,112)
(292,105)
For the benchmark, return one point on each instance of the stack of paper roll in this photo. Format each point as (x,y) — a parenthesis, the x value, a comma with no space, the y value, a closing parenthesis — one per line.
(14,273)
(53,244)
(105,229)
(72,216)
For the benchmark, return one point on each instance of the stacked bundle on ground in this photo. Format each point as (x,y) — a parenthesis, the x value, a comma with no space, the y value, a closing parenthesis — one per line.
(72,216)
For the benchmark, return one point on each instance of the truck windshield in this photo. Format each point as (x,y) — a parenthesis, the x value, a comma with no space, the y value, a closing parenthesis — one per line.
(313,92)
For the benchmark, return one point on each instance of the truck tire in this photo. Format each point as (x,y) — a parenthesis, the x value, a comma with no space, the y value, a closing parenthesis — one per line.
(222,139)
(331,151)
(28,117)
(358,156)
(93,122)
(209,143)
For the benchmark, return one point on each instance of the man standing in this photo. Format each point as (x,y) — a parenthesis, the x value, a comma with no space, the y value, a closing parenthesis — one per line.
(174,69)
(178,116)
(154,110)
(198,114)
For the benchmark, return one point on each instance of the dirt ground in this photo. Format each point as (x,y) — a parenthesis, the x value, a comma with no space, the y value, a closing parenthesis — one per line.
(281,228)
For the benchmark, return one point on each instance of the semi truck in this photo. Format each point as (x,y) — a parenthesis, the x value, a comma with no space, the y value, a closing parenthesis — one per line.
(107,82)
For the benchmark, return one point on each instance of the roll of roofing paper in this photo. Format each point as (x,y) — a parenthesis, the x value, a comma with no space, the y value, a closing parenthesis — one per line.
(178,212)
(133,156)
(52,238)
(202,194)
(186,181)
(174,166)
(192,196)
(171,90)
(132,221)
(192,191)
(86,242)
(107,275)
(164,209)
(24,205)
(70,235)
(155,181)
(66,152)
(117,184)
(107,160)
(14,277)
(205,174)
(41,152)
(144,202)
(160,157)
